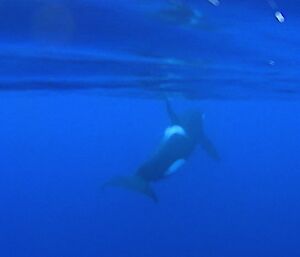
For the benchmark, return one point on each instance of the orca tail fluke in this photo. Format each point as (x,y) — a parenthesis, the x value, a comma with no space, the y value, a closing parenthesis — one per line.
(134,183)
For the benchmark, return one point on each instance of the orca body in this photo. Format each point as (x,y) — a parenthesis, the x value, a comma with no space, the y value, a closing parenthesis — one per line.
(179,141)
(175,149)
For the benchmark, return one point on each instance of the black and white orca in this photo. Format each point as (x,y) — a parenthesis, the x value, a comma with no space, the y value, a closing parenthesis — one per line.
(179,141)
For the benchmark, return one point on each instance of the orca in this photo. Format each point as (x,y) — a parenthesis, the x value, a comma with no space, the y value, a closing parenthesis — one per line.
(180,140)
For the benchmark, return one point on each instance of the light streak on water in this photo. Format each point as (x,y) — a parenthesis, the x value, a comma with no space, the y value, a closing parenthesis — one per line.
(214,2)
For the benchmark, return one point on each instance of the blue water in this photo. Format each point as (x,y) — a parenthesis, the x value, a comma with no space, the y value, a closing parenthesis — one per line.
(81,88)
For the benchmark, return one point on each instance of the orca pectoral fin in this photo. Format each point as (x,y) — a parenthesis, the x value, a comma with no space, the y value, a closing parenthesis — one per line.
(209,148)
(133,183)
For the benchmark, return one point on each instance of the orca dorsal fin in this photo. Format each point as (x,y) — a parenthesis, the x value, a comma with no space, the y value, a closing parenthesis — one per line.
(172,115)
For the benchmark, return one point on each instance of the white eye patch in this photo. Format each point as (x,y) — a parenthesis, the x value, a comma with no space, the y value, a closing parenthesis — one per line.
(174,167)
(174,130)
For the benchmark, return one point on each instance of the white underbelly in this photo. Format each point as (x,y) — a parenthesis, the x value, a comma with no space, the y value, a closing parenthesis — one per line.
(174,167)
(174,130)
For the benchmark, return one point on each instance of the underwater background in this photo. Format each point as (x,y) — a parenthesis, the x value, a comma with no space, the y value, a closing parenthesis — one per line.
(82,84)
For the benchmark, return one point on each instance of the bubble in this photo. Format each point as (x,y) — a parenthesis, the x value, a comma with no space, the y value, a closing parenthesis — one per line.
(271,62)
(279,17)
